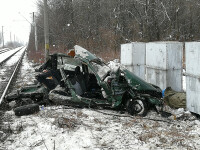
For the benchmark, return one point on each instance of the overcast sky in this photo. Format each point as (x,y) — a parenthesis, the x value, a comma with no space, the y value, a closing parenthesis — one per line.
(12,17)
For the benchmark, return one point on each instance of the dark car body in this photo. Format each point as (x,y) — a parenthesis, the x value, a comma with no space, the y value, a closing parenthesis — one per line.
(103,85)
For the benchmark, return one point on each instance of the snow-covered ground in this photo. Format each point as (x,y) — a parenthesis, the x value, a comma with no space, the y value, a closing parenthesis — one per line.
(63,128)
(5,55)
(27,74)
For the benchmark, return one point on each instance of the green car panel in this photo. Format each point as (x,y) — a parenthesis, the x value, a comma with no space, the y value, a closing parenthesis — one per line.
(116,90)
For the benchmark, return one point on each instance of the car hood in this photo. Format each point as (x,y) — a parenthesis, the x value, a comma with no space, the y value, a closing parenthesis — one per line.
(137,83)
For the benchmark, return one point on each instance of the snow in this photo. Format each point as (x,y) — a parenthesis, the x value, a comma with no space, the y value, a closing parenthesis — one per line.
(27,73)
(102,70)
(5,55)
(2,73)
(73,128)
(10,62)
(80,51)
(114,65)
(63,128)
(184,83)
(184,80)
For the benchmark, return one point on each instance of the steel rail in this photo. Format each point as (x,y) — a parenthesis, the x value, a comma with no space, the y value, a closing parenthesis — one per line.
(12,76)
(10,56)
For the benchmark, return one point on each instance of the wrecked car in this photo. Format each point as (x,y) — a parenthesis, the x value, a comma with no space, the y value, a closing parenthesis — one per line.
(88,81)
(84,80)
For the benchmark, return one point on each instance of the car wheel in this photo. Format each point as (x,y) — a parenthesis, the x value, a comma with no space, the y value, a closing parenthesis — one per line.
(137,107)
(26,109)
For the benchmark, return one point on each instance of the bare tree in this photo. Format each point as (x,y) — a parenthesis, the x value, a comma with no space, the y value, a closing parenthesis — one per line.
(102,25)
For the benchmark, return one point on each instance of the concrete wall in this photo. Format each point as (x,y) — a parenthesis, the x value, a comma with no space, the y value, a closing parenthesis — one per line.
(159,63)
(192,54)
(164,64)
(133,56)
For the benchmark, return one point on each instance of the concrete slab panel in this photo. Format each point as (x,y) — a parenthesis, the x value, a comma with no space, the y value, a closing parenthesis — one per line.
(156,55)
(165,58)
(156,77)
(127,54)
(139,53)
(192,54)
(193,94)
(174,79)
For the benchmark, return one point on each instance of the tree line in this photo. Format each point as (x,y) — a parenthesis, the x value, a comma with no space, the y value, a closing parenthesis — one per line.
(102,25)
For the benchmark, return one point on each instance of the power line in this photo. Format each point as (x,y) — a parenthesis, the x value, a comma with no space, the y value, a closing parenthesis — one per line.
(26,19)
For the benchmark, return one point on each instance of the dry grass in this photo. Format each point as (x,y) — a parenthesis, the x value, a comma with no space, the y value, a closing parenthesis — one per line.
(145,137)
(80,114)
(69,123)
(98,121)
(130,123)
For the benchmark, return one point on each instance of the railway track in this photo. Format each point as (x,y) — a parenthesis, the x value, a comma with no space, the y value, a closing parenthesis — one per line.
(8,54)
(8,70)
(4,50)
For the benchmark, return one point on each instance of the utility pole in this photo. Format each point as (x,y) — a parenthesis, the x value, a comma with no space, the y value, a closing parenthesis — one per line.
(46,31)
(2,37)
(10,37)
(34,23)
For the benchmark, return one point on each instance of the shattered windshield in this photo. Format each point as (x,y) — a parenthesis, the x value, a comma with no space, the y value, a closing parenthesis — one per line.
(100,68)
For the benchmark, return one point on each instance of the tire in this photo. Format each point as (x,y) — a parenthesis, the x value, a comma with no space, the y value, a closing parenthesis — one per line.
(26,109)
(137,107)
(12,96)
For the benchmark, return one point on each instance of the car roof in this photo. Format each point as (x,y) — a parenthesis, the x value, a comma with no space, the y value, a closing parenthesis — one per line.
(84,54)
(60,54)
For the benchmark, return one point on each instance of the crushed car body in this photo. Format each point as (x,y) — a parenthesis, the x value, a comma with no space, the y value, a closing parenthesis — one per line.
(84,80)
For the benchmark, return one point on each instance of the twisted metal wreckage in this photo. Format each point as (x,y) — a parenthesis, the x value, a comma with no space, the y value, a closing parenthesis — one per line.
(81,79)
